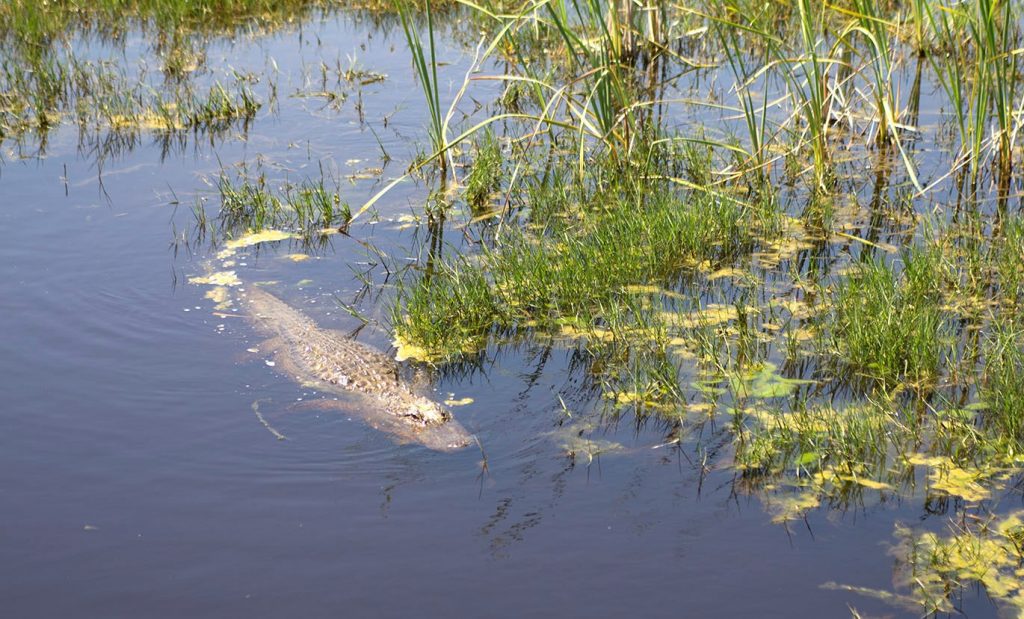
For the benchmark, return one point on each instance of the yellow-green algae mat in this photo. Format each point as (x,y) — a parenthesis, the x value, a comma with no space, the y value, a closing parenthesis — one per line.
(931,566)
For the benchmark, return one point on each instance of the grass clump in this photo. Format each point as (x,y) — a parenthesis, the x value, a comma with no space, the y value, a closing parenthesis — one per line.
(1009,250)
(568,272)
(1002,388)
(888,326)
(308,207)
(449,311)
(219,109)
(819,440)
(485,176)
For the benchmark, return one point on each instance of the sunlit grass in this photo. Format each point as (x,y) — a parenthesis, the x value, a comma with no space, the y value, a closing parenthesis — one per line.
(570,270)
(888,326)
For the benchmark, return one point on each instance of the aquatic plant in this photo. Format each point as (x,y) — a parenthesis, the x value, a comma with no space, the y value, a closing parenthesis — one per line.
(888,326)
(571,269)
(308,207)
(425,64)
(485,175)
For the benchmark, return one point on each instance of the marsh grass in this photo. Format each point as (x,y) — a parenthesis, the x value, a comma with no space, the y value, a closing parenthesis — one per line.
(108,104)
(893,330)
(1008,250)
(1002,387)
(484,177)
(308,208)
(45,78)
(31,23)
(889,326)
(573,268)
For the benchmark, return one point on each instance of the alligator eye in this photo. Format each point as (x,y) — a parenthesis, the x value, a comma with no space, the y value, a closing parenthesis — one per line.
(414,412)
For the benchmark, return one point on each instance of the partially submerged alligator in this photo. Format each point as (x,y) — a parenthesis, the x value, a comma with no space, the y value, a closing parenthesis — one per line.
(366,380)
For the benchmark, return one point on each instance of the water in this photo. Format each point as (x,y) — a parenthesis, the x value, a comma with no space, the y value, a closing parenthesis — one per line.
(137,481)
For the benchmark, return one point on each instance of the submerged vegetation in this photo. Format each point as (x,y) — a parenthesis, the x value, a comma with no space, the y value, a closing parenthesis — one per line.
(799,221)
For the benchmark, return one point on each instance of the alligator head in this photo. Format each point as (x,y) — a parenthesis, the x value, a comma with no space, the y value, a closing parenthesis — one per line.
(425,412)
(431,425)
(448,436)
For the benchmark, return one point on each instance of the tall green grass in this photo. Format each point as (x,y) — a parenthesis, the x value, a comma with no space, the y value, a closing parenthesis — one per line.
(425,64)
(888,326)
(249,204)
(1002,388)
(568,272)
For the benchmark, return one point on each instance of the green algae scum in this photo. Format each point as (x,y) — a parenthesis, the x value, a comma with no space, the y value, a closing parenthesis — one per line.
(724,298)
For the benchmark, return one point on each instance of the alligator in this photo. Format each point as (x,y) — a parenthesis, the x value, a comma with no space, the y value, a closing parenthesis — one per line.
(366,382)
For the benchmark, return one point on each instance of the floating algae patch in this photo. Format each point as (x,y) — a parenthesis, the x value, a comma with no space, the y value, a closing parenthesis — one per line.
(711,315)
(261,236)
(792,506)
(948,478)
(296,257)
(219,278)
(646,400)
(147,120)
(653,290)
(405,350)
(764,382)
(252,238)
(932,569)
(571,331)
(220,296)
(989,553)
(577,442)
(831,453)
(588,448)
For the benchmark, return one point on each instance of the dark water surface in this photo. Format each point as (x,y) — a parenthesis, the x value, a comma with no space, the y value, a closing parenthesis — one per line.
(136,480)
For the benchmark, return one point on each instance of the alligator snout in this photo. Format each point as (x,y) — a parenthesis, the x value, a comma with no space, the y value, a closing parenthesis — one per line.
(448,436)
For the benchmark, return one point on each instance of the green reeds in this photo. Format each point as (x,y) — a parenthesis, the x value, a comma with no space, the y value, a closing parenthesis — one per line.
(755,117)
(949,65)
(1002,389)
(993,27)
(425,65)
(812,92)
(606,109)
(888,326)
(979,79)
(570,271)
(308,207)
(876,31)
